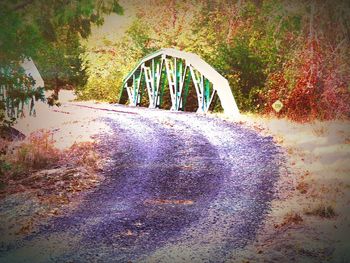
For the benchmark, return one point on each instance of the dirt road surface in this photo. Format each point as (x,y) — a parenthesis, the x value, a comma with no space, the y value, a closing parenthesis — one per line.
(179,187)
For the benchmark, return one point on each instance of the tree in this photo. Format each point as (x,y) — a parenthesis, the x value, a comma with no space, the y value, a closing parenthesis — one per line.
(47,31)
(60,65)
(295,51)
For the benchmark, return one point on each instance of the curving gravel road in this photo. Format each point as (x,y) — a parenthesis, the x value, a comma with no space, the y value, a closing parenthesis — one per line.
(180,187)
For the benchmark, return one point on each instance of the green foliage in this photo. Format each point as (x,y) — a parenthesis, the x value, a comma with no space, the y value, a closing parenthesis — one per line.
(49,32)
(60,65)
(244,69)
(104,80)
(269,50)
(19,93)
(4,168)
(139,35)
(107,66)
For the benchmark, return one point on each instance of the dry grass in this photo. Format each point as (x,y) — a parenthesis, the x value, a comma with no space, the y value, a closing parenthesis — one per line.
(82,154)
(347,140)
(36,165)
(319,131)
(36,152)
(53,177)
(291,218)
(321,210)
(303,187)
(315,188)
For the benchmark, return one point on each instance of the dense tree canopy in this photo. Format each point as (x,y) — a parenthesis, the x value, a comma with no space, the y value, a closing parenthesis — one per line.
(294,51)
(297,52)
(49,32)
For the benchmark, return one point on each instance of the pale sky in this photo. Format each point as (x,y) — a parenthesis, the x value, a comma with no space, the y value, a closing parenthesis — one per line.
(114,25)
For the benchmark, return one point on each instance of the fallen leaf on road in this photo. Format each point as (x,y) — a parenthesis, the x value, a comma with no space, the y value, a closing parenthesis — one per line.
(168,202)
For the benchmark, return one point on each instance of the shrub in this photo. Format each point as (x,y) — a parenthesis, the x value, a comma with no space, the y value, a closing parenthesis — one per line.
(244,69)
(104,77)
(276,89)
(36,152)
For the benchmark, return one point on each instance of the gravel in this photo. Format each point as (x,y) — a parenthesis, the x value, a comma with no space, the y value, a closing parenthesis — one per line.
(180,187)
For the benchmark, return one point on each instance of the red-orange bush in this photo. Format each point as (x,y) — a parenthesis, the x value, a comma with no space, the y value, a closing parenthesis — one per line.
(302,102)
(320,90)
(335,99)
(277,89)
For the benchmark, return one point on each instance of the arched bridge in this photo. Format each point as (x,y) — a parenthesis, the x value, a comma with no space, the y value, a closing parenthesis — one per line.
(172,78)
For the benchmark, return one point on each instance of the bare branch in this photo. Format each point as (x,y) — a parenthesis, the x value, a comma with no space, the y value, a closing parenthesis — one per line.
(22,5)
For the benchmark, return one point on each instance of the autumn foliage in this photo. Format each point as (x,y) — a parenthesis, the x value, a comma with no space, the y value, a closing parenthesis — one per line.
(297,52)
(38,152)
(319,91)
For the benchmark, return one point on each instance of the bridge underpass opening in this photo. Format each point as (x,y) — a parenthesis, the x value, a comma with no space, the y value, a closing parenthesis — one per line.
(179,81)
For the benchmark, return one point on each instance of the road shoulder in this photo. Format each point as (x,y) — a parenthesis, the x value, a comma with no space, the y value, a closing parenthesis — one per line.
(309,218)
